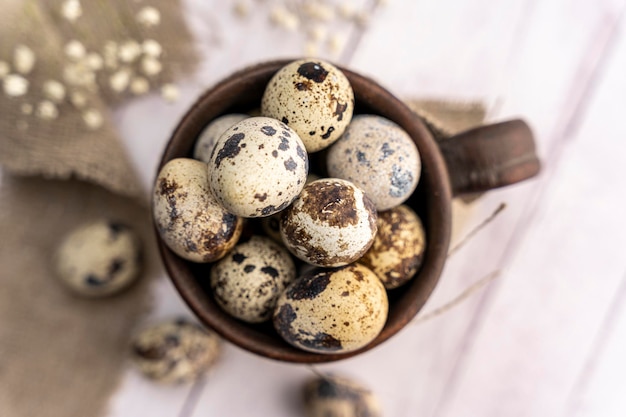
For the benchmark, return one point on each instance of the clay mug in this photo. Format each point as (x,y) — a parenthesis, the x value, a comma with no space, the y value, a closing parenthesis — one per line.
(474,161)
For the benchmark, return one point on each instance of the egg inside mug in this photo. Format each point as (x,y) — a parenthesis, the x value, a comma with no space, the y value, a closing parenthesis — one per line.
(242,93)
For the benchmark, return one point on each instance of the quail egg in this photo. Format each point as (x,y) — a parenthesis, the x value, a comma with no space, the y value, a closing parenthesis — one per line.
(175,351)
(247,282)
(332,310)
(378,156)
(332,223)
(398,249)
(188,218)
(314,98)
(210,134)
(338,396)
(99,259)
(258,167)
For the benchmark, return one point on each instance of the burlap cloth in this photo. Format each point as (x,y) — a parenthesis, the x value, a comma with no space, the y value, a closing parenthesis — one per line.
(66,147)
(61,355)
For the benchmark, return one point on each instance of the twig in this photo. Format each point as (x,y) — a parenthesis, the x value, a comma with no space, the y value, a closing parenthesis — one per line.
(477,229)
(458,299)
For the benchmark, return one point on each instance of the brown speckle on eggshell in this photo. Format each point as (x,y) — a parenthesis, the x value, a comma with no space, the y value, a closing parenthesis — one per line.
(379,157)
(314,98)
(258,167)
(332,395)
(398,249)
(188,218)
(247,282)
(332,310)
(207,139)
(331,223)
(175,351)
(98,259)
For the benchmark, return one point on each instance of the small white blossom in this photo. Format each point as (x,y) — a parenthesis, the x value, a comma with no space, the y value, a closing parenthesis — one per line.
(318,33)
(282,17)
(311,49)
(15,85)
(149,16)
(78,99)
(79,74)
(5,69)
(336,43)
(71,10)
(47,110)
(119,81)
(170,92)
(54,90)
(75,50)
(94,61)
(151,66)
(318,11)
(129,51)
(23,59)
(152,48)
(139,85)
(346,10)
(93,119)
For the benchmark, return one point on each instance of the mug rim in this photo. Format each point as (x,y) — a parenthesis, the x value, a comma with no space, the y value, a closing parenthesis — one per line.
(437,217)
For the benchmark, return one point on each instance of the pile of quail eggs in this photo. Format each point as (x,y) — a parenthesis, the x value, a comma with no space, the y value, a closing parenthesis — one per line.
(326,245)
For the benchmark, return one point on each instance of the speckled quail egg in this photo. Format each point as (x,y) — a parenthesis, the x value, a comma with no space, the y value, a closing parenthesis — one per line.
(338,396)
(271,225)
(175,351)
(314,98)
(247,282)
(99,259)
(398,249)
(379,157)
(332,310)
(331,223)
(210,134)
(189,219)
(258,167)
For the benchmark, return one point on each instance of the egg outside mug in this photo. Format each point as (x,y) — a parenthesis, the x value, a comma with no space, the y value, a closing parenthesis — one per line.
(477,160)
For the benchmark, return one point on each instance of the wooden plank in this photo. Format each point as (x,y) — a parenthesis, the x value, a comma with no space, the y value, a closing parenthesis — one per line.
(411,371)
(600,387)
(441,344)
(537,330)
(137,395)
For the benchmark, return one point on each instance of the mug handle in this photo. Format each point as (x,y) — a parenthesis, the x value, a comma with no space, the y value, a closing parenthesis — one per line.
(490,156)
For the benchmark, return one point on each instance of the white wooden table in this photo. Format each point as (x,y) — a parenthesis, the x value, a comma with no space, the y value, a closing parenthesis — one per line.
(548,338)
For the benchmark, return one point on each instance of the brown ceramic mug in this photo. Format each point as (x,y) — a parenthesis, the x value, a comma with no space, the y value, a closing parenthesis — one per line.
(476,160)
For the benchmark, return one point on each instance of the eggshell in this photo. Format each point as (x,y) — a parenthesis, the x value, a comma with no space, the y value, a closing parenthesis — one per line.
(258,167)
(211,133)
(175,351)
(379,157)
(332,310)
(248,281)
(314,98)
(99,258)
(189,219)
(271,225)
(398,249)
(331,223)
(339,396)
